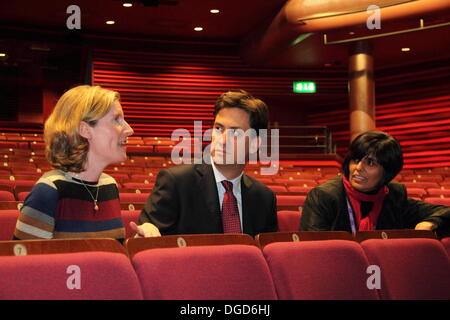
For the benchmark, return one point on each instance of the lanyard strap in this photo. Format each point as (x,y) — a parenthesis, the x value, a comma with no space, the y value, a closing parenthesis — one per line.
(351,216)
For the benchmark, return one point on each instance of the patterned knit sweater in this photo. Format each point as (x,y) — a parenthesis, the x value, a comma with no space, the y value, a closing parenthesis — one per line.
(60,206)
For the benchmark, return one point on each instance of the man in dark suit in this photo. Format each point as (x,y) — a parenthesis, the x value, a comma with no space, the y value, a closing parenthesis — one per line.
(216,197)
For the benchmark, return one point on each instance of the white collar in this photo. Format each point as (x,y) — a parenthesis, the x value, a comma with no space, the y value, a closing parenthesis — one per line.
(220,177)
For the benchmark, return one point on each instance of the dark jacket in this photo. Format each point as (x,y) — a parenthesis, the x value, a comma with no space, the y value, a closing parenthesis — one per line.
(325,209)
(185,201)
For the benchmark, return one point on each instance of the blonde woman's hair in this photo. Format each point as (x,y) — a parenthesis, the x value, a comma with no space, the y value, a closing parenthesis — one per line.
(65,148)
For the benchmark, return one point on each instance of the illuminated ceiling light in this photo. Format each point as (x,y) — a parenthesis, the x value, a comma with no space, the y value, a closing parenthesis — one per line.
(198,29)
(110,22)
(406,49)
(351,33)
(127,5)
(2,54)
(214,10)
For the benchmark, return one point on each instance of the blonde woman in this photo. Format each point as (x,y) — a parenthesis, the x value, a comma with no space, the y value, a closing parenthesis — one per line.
(85,133)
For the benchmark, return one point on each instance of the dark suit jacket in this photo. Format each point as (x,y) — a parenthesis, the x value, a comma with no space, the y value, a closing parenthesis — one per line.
(325,209)
(185,200)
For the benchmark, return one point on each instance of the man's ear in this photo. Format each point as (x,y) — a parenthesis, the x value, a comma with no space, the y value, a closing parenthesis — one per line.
(85,130)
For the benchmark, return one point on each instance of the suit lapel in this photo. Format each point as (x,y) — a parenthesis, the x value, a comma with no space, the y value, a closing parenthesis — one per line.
(247,204)
(208,188)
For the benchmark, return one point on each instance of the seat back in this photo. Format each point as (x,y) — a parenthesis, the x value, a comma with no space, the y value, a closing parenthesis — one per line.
(234,272)
(72,276)
(53,246)
(446,243)
(127,217)
(288,220)
(329,269)
(135,245)
(410,268)
(393,234)
(8,220)
(264,239)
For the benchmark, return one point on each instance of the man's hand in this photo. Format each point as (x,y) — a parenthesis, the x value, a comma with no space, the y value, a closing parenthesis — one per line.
(426,225)
(145,230)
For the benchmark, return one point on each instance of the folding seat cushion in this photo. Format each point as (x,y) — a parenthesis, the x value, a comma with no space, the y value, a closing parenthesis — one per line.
(288,220)
(74,276)
(410,268)
(326,269)
(228,272)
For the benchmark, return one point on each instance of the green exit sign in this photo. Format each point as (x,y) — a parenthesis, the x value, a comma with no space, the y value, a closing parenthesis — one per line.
(304,87)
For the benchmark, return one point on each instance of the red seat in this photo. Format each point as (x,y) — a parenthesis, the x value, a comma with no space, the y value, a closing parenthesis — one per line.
(277,188)
(436,200)
(410,268)
(446,243)
(290,200)
(288,220)
(8,220)
(127,217)
(6,196)
(234,272)
(300,189)
(433,192)
(416,192)
(22,195)
(134,197)
(326,269)
(103,276)
(137,185)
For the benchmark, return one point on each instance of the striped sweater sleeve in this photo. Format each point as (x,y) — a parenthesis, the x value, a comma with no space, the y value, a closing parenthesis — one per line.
(37,215)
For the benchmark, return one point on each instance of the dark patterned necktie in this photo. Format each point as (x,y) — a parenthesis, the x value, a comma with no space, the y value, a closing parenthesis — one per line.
(230,212)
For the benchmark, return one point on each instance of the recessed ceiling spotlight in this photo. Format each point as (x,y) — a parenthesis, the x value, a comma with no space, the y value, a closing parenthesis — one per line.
(127,5)
(406,49)
(198,29)
(110,22)
(214,10)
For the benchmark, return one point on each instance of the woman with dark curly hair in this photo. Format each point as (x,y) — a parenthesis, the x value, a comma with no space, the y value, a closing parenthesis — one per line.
(85,133)
(365,198)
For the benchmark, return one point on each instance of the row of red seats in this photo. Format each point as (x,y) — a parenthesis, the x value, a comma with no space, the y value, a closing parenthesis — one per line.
(234,268)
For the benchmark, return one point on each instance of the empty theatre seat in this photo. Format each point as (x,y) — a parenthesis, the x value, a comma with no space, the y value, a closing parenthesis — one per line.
(288,220)
(69,276)
(6,196)
(438,200)
(266,238)
(229,272)
(410,268)
(8,220)
(360,236)
(136,245)
(133,197)
(330,269)
(290,202)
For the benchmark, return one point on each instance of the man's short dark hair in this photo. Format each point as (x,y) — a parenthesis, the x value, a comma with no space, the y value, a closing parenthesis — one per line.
(256,108)
(385,148)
